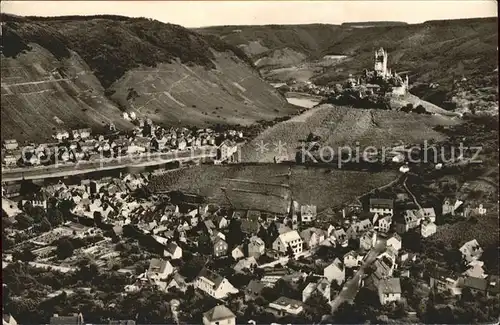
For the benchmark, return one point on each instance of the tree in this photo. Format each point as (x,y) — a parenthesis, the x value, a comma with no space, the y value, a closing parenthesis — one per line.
(55,216)
(290,252)
(64,249)
(97,218)
(316,307)
(25,255)
(45,225)
(420,109)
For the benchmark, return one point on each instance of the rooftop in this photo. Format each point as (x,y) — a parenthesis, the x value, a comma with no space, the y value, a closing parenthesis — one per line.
(391,285)
(218,313)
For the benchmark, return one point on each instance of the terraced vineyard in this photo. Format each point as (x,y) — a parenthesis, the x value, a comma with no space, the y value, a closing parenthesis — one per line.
(344,126)
(267,189)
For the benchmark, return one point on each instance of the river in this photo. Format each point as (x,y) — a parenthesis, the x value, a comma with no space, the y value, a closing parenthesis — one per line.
(303,102)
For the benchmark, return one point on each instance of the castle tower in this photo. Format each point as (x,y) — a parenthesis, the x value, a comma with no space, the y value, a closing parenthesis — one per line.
(381,62)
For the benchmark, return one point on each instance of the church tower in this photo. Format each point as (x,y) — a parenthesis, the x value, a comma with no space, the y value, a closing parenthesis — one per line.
(381,62)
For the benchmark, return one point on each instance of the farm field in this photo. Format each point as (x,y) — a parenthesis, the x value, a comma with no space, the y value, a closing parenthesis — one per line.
(266,186)
(344,126)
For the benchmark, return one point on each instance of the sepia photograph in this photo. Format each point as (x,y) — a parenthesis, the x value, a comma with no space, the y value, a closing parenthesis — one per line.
(250,162)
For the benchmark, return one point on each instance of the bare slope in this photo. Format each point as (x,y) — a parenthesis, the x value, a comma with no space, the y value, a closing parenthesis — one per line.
(161,71)
(344,126)
(458,56)
(322,187)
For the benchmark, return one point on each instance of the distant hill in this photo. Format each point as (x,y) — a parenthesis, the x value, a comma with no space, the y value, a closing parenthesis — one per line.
(67,72)
(365,24)
(451,63)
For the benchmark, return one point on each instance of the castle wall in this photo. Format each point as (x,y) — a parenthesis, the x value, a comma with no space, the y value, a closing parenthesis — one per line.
(399,91)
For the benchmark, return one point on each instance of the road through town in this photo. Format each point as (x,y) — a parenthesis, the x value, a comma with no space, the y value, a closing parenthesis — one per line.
(351,287)
(68,169)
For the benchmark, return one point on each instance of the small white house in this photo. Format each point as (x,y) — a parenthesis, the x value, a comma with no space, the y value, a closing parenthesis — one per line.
(428,228)
(389,290)
(335,272)
(219,315)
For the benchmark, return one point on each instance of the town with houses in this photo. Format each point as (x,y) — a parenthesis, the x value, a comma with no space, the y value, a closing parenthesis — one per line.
(80,145)
(229,255)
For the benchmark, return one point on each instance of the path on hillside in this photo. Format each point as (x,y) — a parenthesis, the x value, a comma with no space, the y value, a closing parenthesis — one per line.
(411,194)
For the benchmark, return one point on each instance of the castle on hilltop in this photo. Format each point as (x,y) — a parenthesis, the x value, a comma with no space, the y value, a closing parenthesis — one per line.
(381,76)
(399,86)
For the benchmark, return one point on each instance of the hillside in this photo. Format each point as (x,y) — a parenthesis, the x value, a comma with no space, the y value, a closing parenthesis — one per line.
(344,126)
(307,185)
(66,72)
(459,57)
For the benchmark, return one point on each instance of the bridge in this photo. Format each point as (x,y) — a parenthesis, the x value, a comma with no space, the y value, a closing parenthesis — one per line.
(82,167)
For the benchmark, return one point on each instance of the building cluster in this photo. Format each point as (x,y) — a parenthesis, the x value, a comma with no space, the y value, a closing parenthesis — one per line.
(81,145)
(172,229)
(380,76)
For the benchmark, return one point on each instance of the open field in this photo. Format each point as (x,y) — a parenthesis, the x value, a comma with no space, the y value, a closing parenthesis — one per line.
(267,189)
(344,126)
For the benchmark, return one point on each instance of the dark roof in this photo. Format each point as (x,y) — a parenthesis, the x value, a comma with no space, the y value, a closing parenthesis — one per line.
(391,285)
(212,276)
(255,287)
(476,283)
(249,227)
(253,215)
(382,203)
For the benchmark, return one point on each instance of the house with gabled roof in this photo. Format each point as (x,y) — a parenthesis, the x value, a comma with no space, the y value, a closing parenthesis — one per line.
(254,289)
(213,284)
(308,213)
(335,272)
(237,253)
(75,319)
(427,228)
(322,287)
(312,237)
(389,290)
(159,269)
(220,221)
(284,306)
(8,319)
(429,213)
(394,241)
(220,247)
(471,251)
(289,239)
(352,259)
(256,247)
(381,206)
(446,281)
(409,220)
(340,237)
(475,285)
(173,251)
(246,263)
(178,282)
(219,315)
